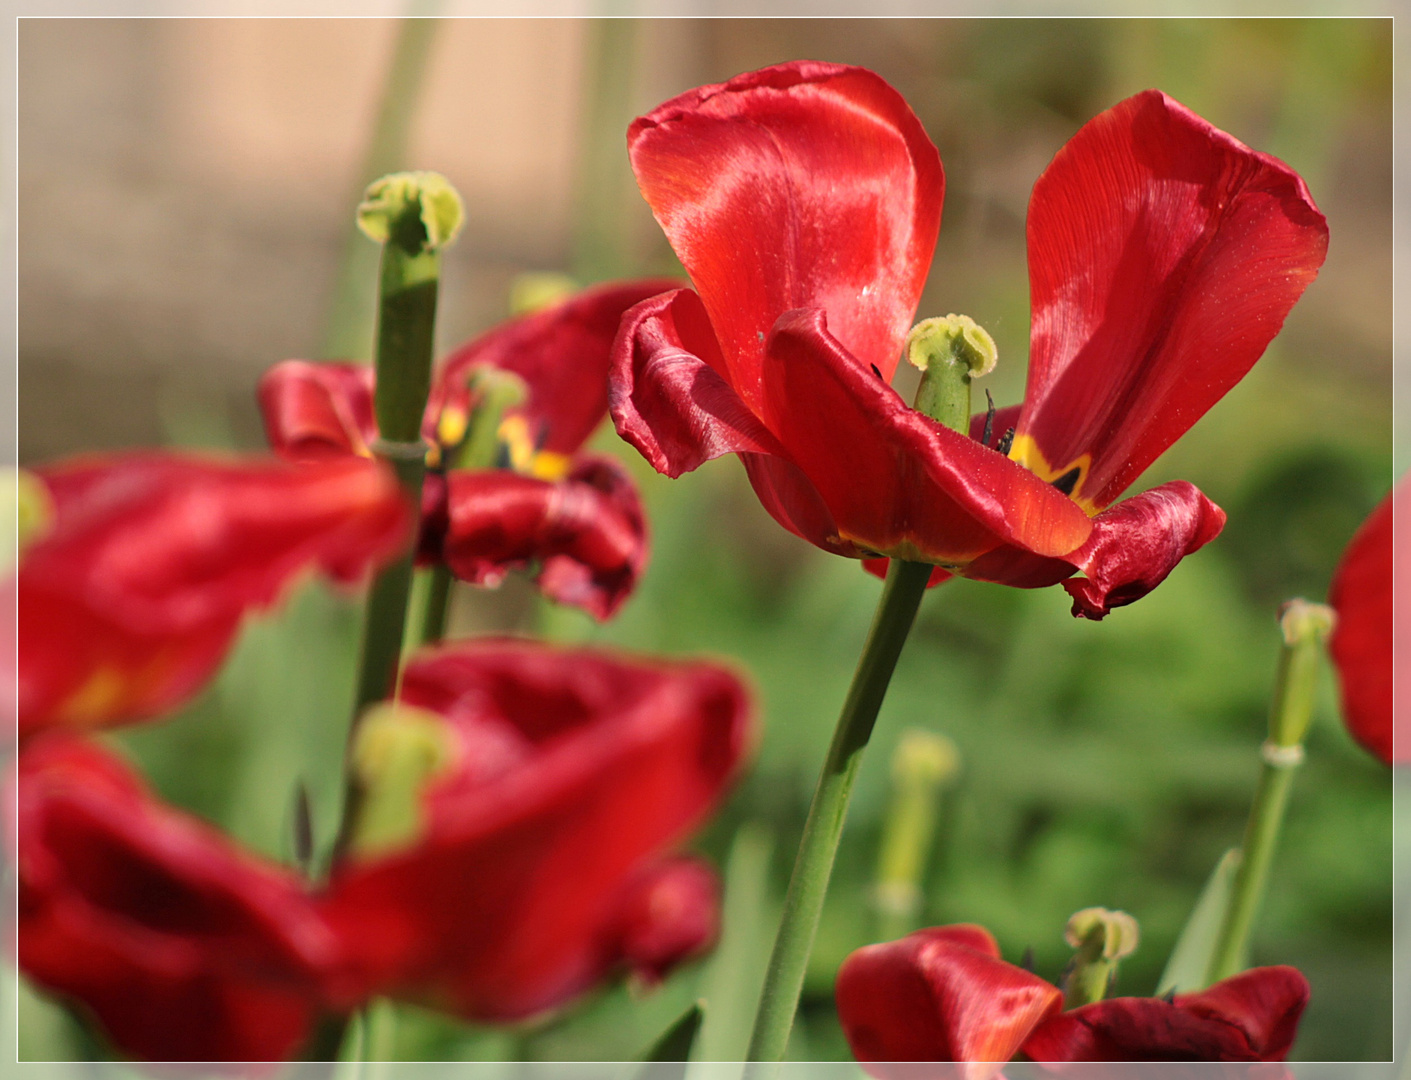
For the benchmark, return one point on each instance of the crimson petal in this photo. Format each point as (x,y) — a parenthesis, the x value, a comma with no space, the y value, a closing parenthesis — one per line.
(941,994)
(586,532)
(895,481)
(1361,644)
(317,410)
(801,185)
(597,764)
(1163,258)
(128,604)
(1252,1016)
(183,947)
(668,913)
(668,391)
(562,354)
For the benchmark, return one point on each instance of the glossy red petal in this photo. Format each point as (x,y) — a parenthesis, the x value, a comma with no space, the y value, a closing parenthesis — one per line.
(939,995)
(585,533)
(668,391)
(1002,420)
(1361,644)
(1137,543)
(1163,258)
(592,765)
(895,481)
(1250,1017)
(317,410)
(182,947)
(128,603)
(668,913)
(562,353)
(801,185)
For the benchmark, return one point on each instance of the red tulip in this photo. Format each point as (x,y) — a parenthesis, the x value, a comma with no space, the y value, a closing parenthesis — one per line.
(941,994)
(572,772)
(805,199)
(1361,644)
(180,946)
(1252,1016)
(577,516)
(945,995)
(130,601)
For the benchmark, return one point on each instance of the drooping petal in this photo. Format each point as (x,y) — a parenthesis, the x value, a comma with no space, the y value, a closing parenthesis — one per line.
(1361,644)
(506,906)
(668,913)
(668,391)
(128,604)
(586,533)
(183,947)
(1137,543)
(941,994)
(895,481)
(805,184)
(1133,547)
(317,410)
(1252,1016)
(561,353)
(1163,258)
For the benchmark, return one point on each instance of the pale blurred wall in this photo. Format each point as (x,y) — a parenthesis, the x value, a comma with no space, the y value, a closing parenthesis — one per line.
(186,187)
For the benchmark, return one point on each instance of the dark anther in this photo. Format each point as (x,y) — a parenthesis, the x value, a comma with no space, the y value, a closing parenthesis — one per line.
(502,456)
(878,372)
(989,418)
(541,436)
(1027,960)
(1065,482)
(1005,441)
(1170,996)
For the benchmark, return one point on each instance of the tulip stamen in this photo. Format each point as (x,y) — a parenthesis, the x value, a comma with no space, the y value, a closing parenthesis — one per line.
(1005,442)
(989,418)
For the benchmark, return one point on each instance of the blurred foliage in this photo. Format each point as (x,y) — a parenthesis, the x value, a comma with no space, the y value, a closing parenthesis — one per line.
(1103,764)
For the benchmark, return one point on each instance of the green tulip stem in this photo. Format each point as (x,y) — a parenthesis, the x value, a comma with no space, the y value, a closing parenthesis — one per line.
(1305,627)
(413,216)
(783,981)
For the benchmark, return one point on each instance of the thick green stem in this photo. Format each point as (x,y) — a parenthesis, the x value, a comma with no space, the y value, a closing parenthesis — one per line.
(1305,626)
(901,596)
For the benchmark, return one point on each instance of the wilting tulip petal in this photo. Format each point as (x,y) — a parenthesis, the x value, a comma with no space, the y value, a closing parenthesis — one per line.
(668,913)
(182,947)
(1163,258)
(802,185)
(586,531)
(1361,644)
(1250,1017)
(669,396)
(589,767)
(562,355)
(128,604)
(317,410)
(939,995)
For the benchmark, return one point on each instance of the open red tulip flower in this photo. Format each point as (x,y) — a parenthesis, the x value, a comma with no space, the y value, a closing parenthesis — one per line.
(575,516)
(804,200)
(181,946)
(1361,643)
(133,589)
(535,857)
(944,994)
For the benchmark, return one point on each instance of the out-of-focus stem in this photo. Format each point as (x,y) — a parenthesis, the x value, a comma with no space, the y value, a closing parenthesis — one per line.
(1305,627)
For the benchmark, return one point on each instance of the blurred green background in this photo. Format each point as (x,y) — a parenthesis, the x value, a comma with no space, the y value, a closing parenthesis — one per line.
(1102,764)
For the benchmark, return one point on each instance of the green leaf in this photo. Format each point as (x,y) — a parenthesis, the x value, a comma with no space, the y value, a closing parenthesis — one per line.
(1190,959)
(674,1044)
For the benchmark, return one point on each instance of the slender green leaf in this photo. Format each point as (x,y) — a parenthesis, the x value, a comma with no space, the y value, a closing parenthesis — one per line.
(1190,958)
(674,1044)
